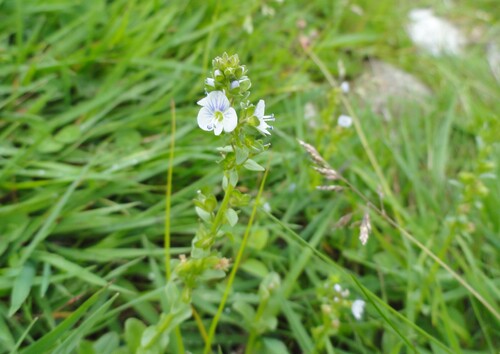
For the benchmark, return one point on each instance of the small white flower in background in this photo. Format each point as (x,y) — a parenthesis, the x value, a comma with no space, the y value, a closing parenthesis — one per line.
(344,121)
(345,87)
(357,308)
(337,288)
(365,229)
(248,24)
(311,114)
(216,113)
(259,113)
(267,207)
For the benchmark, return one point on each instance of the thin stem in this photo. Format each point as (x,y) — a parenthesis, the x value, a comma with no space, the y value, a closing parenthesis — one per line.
(168,203)
(168,193)
(237,262)
(222,210)
(199,323)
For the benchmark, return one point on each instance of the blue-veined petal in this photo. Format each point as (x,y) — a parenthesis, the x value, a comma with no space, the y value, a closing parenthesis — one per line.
(205,119)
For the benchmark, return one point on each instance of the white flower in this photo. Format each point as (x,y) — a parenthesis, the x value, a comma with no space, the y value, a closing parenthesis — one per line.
(337,288)
(344,121)
(259,113)
(216,113)
(345,87)
(357,308)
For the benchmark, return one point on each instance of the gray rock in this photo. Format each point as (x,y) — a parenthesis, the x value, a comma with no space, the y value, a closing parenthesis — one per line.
(388,90)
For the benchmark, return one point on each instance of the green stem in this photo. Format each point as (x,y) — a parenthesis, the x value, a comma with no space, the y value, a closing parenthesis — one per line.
(163,327)
(168,194)
(222,210)
(253,332)
(239,256)
(168,199)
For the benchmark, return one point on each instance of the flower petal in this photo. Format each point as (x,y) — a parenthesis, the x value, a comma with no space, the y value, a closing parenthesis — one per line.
(205,118)
(218,127)
(259,110)
(203,102)
(262,127)
(230,120)
(218,101)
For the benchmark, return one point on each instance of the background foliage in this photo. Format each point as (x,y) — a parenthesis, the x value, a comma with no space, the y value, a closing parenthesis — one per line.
(85,90)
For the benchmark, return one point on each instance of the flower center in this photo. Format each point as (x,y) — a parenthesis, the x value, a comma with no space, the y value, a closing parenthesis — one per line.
(218,116)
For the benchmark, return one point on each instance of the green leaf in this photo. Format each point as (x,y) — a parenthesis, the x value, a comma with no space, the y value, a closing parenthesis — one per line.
(255,267)
(245,310)
(259,238)
(49,145)
(128,139)
(267,323)
(21,288)
(134,329)
(69,343)
(204,215)
(273,346)
(231,216)
(107,344)
(68,134)
(253,166)
(86,347)
(47,342)
(241,155)
(46,274)
(233,177)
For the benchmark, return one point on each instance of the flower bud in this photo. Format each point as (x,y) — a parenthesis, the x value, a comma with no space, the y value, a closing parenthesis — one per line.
(229,72)
(210,82)
(234,85)
(245,84)
(218,75)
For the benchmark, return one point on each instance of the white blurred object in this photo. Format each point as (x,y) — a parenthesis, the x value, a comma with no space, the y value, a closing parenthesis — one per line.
(311,114)
(433,34)
(344,121)
(345,87)
(357,308)
(494,60)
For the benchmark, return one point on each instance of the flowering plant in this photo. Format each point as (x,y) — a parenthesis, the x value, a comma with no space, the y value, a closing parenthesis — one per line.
(227,90)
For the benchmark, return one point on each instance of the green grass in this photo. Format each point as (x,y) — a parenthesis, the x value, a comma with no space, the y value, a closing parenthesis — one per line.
(85,110)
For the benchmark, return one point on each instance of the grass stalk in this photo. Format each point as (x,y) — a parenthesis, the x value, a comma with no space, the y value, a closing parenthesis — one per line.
(168,192)
(168,203)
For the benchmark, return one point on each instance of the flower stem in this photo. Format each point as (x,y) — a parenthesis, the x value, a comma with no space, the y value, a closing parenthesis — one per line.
(222,210)
(239,256)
